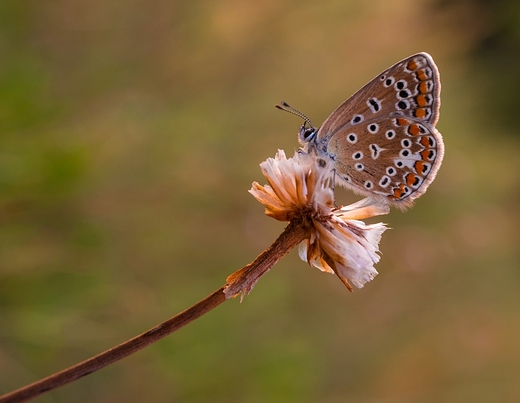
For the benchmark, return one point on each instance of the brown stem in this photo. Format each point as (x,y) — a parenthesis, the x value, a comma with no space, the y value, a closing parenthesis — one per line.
(241,281)
(116,353)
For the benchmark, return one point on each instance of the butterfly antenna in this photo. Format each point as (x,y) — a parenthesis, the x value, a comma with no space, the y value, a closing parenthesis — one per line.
(284,106)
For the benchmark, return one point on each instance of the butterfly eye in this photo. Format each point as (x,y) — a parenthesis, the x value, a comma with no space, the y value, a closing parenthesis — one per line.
(307,134)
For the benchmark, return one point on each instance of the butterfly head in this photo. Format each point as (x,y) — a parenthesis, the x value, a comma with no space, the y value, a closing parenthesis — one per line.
(307,134)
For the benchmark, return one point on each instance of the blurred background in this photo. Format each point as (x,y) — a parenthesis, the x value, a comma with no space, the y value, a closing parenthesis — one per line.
(130,132)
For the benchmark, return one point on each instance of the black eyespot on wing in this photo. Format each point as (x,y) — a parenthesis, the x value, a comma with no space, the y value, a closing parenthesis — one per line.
(402,105)
(375,104)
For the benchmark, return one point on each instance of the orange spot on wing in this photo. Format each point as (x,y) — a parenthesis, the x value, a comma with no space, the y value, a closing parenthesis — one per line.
(410,179)
(402,122)
(414,130)
(423,87)
(421,100)
(425,141)
(420,113)
(425,155)
(421,75)
(411,65)
(419,167)
(398,192)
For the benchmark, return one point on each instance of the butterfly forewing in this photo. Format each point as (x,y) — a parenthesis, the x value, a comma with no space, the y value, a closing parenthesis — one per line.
(410,87)
(383,139)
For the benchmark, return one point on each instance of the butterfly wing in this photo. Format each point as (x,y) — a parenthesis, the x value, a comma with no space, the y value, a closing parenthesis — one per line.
(383,138)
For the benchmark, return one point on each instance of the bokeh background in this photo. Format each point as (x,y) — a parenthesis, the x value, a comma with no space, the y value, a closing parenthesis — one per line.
(130,132)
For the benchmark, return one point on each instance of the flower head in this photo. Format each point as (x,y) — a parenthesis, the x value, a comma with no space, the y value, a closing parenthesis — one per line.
(295,185)
(300,190)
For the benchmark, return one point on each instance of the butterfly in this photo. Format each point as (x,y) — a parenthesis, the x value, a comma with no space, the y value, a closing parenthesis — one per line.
(383,139)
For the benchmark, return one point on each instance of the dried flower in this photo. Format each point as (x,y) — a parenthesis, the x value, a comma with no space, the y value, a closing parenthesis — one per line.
(297,186)
(346,246)
(300,190)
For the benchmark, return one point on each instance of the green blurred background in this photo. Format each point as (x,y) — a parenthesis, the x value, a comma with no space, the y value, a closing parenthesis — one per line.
(130,132)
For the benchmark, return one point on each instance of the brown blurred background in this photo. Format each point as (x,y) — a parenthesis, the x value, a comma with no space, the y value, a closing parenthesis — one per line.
(130,132)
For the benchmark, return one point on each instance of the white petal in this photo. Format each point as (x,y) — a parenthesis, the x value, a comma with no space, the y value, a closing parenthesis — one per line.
(364,208)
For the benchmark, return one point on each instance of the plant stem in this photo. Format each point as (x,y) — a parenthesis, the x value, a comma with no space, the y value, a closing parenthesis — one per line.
(116,353)
(242,281)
